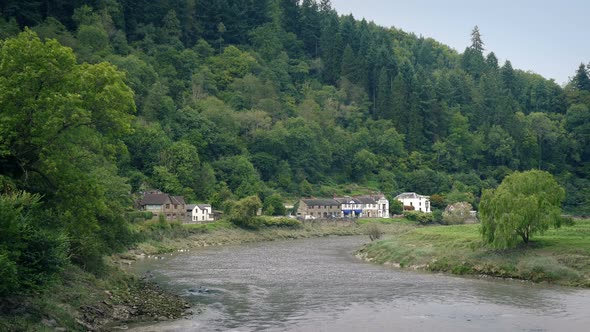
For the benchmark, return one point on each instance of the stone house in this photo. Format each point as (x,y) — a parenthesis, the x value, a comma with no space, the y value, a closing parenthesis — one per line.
(370,206)
(157,202)
(318,208)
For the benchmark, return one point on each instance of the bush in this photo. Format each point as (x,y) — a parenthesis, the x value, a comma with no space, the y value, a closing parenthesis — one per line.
(396,207)
(30,255)
(421,217)
(139,216)
(457,213)
(281,222)
(374,231)
(243,213)
(8,275)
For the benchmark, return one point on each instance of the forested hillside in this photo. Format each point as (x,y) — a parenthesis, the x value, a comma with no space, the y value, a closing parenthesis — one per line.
(217,100)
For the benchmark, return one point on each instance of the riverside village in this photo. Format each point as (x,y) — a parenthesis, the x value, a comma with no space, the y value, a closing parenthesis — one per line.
(174,208)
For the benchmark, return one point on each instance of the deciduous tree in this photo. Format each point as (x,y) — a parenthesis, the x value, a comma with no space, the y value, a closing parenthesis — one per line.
(524,204)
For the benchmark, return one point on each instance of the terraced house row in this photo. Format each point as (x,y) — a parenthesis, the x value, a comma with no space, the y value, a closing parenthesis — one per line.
(369,206)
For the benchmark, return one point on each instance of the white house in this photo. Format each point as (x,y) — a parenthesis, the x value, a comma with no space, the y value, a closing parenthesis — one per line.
(414,202)
(374,206)
(382,206)
(200,213)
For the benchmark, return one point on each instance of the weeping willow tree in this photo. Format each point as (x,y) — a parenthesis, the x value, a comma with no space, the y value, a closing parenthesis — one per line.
(524,204)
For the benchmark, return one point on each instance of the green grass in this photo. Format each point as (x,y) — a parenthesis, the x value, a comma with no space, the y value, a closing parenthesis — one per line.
(385,221)
(559,256)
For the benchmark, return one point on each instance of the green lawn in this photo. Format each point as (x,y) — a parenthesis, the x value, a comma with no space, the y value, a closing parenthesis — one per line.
(560,256)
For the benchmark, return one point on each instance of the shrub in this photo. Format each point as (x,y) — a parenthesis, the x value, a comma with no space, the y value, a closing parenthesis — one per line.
(281,222)
(30,255)
(396,207)
(243,213)
(457,213)
(421,217)
(374,231)
(139,216)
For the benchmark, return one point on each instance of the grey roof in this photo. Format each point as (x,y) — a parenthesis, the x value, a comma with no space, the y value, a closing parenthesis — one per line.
(159,198)
(190,207)
(409,195)
(155,199)
(347,200)
(366,200)
(203,206)
(177,200)
(320,201)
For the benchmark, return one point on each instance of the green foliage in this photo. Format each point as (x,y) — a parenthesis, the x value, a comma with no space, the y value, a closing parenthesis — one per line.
(139,216)
(421,217)
(60,136)
(524,204)
(396,207)
(30,255)
(243,212)
(274,206)
(281,222)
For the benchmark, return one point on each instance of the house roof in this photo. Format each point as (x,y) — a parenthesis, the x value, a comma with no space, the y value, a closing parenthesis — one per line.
(366,200)
(179,200)
(203,206)
(348,200)
(190,207)
(155,199)
(158,198)
(320,201)
(409,195)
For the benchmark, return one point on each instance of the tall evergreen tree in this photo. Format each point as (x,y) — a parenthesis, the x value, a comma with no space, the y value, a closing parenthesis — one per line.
(476,41)
(581,80)
(310,27)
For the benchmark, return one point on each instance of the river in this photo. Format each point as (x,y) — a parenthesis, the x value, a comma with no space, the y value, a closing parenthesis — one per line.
(318,285)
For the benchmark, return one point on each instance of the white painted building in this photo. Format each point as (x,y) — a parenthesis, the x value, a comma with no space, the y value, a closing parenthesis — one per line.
(200,213)
(382,206)
(414,202)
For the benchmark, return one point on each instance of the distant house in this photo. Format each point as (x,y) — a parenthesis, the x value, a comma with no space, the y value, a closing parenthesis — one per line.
(370,206)
(318,208)
(374,206)
(350,206)
(201,213)
(157,202)
(414,202)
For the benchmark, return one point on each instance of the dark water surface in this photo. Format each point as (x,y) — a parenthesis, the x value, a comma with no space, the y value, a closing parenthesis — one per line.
(317,285)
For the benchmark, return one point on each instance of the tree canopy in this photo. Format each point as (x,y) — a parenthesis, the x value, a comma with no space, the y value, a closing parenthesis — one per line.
(523,204)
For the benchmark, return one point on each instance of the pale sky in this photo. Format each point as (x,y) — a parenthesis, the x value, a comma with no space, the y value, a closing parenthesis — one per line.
(550,38)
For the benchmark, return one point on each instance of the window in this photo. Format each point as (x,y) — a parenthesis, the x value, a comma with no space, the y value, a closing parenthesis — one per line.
(167,206)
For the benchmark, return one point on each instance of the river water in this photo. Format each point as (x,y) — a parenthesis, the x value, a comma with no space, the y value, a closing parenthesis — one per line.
(318,285)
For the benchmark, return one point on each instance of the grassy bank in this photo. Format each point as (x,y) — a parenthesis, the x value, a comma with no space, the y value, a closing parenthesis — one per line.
(559,256)
(185,236)
(80,301)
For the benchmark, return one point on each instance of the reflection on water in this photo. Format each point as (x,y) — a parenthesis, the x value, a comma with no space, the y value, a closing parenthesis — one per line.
(317,285)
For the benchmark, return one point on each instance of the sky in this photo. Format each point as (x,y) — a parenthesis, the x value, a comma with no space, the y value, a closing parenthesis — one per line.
(548,37)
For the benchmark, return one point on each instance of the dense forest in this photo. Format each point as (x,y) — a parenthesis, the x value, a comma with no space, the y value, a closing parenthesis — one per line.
(218,100)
